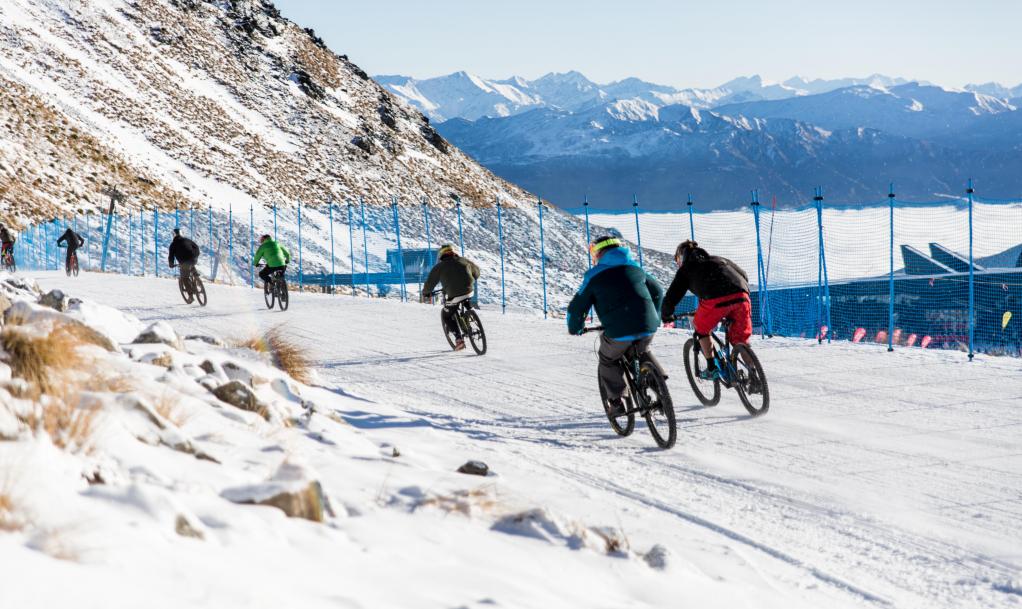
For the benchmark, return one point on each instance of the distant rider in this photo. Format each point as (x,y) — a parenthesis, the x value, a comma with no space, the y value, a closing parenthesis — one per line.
(722,288)
(184,251)
(627,301)
(6,241)
(277,258)
(73,241)
(458,276)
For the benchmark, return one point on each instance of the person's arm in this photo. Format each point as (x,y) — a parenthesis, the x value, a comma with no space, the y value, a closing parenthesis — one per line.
(258,256)
(474,269)
(655,291)
(287,255)
(674,294)
(431,280)
(62,239)
(81,240)
(170,255)
(578,309)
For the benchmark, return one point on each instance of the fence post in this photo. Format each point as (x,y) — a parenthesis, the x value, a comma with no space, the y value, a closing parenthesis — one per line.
(177,223)
(425,215)
(274,221)
(500,239)
(251,246)
(333,256)
(890,273)
(972,267)
(585,206)
(131,238)
(301,274)
(542,252)
(365,241)
(106,241)
(691,222)
(761,288)
(141,239)
(211,252)
(191,222)
(351,247)
(825,291)
(230,235)
(638,232)
(461,235)
(156,241)
(400,252)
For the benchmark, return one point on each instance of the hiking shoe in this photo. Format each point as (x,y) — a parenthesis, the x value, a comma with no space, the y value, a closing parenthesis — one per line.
(617,407)
(458,346)
(710,374)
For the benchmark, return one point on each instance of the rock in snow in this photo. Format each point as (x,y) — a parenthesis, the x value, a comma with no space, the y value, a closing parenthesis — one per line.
(159,333)
(474,468)
(238,394)
(292,489)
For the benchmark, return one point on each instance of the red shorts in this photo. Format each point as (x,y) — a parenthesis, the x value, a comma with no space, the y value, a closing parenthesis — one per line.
(709,314)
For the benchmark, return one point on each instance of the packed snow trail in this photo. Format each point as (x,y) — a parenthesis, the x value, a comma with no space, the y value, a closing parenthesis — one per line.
(878,479)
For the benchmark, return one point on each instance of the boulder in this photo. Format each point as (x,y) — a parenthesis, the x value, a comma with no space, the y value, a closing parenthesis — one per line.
(474,468)
(239,395)
(56,300)
(657,558)
(236,372)
(159,333)
(184,527)
(291,490)
(364,142)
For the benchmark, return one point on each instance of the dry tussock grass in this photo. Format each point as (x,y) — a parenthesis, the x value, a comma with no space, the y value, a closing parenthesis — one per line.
(466,502)
(167,407)
(285,353)
(69,427)
(41,360)
(9,520)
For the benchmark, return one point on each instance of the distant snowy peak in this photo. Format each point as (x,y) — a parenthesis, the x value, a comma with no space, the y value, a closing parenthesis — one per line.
(464,95)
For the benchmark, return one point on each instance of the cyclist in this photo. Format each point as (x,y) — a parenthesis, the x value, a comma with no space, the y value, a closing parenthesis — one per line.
(6,242)
(277,258)
(72,241)
(627,301)
(722,288)
(458,276)
(184,251)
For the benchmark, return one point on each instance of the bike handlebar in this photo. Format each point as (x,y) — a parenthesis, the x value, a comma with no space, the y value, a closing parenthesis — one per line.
(592,329)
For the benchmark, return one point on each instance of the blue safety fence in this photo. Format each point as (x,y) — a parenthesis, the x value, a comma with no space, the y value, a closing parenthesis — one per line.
(893,272)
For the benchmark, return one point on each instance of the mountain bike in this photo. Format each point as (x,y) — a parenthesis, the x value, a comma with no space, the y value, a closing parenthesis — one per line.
(275,290)
(191,286)
(8,261)
(71,268)
(468,321)
(739,368)
(647,395)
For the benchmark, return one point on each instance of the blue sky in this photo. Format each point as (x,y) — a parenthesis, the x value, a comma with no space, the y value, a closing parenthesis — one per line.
(681,43)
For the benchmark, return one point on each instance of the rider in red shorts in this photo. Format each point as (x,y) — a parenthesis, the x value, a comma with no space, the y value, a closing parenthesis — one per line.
(723,291)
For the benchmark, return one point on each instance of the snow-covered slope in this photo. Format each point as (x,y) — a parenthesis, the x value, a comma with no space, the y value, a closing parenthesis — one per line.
(187,102)
(877,480)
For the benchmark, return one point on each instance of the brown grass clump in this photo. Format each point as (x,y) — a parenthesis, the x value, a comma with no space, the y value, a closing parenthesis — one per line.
(167,407)
(40,359)
(9,520)
(467,502)
(69,427)
(283,351)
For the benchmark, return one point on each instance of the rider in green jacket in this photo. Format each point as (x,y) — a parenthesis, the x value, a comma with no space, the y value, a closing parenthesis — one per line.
(277,258)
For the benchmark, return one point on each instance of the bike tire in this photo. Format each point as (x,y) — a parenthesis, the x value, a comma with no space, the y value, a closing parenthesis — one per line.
(706,392)
(269,296)
(651,378)
(743,377)
(74,265)
(476,334)
(200,289)
(615,424)
(186,291)
(283,298)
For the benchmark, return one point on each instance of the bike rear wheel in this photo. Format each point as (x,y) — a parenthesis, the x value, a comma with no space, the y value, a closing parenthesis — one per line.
(707,392)
(657,404)
(200,290)
(186,290)
(622,425)
(74,265)
(756,399)
(476,334)
(268,295)
(448,333)
(283,299)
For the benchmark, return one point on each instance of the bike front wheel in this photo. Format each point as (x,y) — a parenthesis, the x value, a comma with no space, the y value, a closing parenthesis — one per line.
(657,404)
(476,334)
(74,265)
(283,298)
(268,294)
(707,392)
(622,425)
(750,380)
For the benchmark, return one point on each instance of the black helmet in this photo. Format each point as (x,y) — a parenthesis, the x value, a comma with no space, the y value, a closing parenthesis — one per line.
(263,238)
(177,232)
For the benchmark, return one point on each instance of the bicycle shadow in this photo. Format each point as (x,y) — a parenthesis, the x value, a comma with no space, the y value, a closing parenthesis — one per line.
(399,359)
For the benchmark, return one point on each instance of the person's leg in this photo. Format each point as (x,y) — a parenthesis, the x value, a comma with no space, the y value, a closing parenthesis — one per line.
(707,316)
(610,371)
(264,274)
(67,259)
(447,314)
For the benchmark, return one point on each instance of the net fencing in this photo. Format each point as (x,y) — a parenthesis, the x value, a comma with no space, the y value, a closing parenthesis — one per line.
(891,272)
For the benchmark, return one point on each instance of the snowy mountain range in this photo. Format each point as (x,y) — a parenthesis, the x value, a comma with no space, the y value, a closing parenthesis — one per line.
(568,137)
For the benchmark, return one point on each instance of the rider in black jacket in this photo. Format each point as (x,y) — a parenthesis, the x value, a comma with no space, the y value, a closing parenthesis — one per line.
(73,241)
(184,251)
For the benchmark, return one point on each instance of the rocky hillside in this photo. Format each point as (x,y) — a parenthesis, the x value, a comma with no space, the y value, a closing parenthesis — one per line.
(192,102)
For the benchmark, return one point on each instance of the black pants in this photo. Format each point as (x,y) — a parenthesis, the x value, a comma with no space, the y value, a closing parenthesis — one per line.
(611,352)
(269,270)
(448,315)
(67,259)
